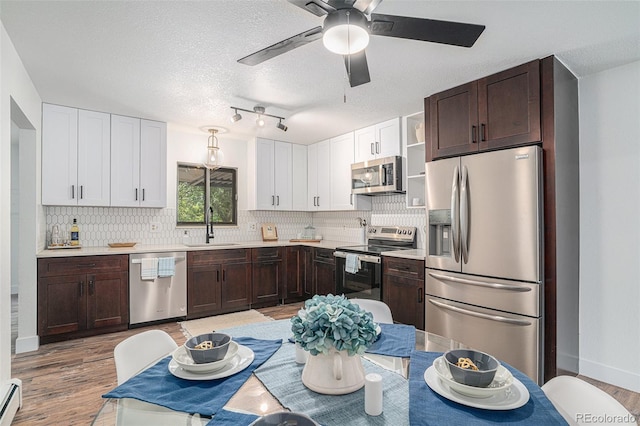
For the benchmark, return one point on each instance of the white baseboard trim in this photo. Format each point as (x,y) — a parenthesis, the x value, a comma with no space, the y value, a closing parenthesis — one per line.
(612,375)
(27,344)
(568,362)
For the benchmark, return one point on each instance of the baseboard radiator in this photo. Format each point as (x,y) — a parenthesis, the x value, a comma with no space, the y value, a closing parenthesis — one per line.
(11,394)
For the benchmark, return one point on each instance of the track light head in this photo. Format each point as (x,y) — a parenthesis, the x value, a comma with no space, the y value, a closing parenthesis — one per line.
(236,117)
(282,126)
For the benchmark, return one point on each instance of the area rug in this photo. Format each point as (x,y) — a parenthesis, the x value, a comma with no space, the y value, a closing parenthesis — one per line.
(219,322)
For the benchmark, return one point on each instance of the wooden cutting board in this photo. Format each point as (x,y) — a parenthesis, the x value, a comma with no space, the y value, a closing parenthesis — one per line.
(301,240)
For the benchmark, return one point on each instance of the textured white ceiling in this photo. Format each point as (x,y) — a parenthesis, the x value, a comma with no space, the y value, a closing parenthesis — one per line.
(175,61)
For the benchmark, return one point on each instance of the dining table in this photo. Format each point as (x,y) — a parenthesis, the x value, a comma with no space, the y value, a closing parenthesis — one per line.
(404,356)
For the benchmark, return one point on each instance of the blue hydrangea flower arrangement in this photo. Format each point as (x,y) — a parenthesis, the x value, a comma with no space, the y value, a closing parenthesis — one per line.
(333,322)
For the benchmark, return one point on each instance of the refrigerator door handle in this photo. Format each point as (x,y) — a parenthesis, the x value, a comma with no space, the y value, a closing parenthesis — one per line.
(455,214)
(496,286)
(464,215)
(496,318)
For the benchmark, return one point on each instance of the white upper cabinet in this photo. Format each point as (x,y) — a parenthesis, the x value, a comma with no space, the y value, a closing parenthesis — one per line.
(342,155)
(273,173)
(75,156)
(139,162)
(318,176)
(378,141)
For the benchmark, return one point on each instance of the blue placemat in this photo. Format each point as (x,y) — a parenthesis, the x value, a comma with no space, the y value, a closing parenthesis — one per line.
(206,397)
(232,418)
(428,408)
(395,340)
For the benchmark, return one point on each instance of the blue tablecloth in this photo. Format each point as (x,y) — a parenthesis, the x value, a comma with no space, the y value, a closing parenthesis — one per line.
(231,418)
(158,386)
(428,408)
(395,340)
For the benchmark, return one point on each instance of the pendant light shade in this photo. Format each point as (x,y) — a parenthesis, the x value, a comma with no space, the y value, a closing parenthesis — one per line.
(215,156)
(345,32)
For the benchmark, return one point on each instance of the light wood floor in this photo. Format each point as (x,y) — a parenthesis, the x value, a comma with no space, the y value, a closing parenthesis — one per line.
(63,382)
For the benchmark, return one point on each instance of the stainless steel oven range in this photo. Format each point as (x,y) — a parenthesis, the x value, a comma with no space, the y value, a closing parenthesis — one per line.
(358,268)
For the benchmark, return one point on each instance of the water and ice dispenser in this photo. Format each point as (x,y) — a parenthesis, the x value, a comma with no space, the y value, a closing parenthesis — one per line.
(440,232)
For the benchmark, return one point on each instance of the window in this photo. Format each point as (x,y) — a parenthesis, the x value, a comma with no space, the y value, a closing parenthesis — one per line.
(200,188)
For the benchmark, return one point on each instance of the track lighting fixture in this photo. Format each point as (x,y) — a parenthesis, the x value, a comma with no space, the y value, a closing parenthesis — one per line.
(260,112)
(281,126)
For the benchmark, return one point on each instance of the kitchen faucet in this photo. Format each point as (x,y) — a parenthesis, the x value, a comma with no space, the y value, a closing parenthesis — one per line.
(209,219)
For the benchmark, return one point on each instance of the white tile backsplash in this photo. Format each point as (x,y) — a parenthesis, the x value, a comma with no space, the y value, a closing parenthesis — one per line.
(102,225)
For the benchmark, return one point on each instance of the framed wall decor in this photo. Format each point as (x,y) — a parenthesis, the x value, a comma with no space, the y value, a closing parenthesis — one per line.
(269,232)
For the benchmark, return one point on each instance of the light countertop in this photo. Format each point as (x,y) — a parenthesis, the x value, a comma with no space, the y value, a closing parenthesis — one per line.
(415,254)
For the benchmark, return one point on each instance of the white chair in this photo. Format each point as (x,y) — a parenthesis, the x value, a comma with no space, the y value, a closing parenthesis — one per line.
(581,403)
(135,353)
(380,310)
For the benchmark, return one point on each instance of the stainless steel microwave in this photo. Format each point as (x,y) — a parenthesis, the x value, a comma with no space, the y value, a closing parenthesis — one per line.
(377,177)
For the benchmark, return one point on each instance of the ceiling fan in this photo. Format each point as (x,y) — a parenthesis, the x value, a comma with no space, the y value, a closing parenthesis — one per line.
(346,31)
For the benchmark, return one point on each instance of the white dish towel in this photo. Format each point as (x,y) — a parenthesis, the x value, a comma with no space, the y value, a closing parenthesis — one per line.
(149,268)
(166,266)
(352,264)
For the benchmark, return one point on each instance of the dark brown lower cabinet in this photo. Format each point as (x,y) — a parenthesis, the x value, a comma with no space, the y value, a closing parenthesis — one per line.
(218,281)
(268,276)
(324,271)
(82,296)
(298,281)
(403,289)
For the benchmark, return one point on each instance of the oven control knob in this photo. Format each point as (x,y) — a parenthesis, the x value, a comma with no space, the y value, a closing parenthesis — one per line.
(410,232)
(373,230)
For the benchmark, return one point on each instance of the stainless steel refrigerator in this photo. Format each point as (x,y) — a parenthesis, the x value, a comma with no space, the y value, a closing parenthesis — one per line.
(484,263)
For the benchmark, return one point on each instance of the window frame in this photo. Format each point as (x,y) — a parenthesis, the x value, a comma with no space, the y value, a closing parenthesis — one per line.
(207,192)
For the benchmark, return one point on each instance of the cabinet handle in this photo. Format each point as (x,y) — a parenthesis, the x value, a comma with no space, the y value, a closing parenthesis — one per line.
(223,275)
(420,295)
(272,200)
(404,269)
(318,201)
(136,194)
(218,275)
(85,265)
(73,192)
(142,194)
(277,200)
(372,153)
(81,288)
(377,147)
(92,286)
(473,134)
(81,192)
(482,138)
(351,199)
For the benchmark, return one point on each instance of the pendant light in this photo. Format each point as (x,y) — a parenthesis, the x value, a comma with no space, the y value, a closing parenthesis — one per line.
(215,156)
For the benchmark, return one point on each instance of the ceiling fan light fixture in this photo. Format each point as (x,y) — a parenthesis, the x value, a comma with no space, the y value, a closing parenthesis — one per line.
(345,31)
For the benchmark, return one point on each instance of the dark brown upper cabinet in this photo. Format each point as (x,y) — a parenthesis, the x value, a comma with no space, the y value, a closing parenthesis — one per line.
(497,111)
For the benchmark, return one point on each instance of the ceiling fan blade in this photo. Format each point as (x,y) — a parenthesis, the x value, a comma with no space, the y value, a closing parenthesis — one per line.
(357,68)
(282,47)
(366,6)
(317,7)
(445,32)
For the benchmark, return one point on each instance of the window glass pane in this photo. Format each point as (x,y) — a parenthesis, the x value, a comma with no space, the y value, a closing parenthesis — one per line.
(191,194)
(222,190)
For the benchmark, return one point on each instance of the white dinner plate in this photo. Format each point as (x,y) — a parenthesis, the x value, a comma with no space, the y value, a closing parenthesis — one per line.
(182,358)
(514,397)
(242,359)
(501,381)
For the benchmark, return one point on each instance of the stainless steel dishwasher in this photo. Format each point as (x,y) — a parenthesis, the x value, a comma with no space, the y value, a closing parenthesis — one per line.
(153,298)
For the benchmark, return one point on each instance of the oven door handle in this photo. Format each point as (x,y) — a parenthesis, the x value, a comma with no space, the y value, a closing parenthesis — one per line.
(361,257)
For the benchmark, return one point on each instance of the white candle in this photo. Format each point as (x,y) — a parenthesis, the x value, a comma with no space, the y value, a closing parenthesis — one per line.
(301,354)
(373,394)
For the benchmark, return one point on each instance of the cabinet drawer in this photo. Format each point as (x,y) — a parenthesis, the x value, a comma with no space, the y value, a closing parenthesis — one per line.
(266,254)
(208,257)
(403,267)
(323,255)
(82,265)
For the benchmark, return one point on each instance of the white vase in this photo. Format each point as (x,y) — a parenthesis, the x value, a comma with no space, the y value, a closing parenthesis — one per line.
(335,373)
(420,132)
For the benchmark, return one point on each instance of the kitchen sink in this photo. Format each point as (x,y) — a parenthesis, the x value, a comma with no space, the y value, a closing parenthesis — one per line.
(210,244)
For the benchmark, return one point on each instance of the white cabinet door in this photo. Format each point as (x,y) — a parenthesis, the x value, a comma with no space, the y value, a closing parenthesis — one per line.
(153,164)
(319,173)
(299,177)
(125,161)
(265,172)
(282,175)
(341,160)
(59,155)
(378,141)
(94,142)
(365,144)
